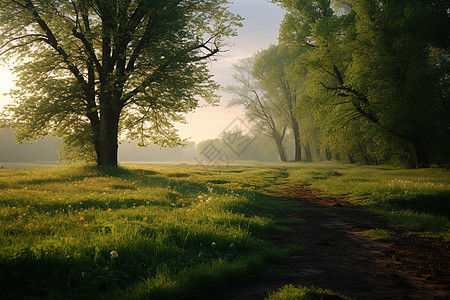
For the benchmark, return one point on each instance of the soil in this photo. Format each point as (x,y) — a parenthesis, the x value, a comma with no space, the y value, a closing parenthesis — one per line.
(339,257)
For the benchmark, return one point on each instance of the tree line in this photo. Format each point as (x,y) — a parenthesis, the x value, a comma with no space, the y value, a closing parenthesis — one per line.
(219,152)
(362,81)
(355,80)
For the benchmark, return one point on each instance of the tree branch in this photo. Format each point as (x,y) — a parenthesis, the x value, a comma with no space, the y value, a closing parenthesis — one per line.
(52,41)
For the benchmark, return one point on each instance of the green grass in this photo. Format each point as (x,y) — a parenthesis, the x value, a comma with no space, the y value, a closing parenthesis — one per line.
(290,292)
(379,234)
(173,235)
(418,200)
(179,230)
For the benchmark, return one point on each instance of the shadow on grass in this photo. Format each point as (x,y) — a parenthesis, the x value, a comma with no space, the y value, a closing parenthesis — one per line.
(437,204)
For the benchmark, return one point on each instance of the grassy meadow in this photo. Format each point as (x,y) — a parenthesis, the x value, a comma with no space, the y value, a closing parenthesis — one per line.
(166,231)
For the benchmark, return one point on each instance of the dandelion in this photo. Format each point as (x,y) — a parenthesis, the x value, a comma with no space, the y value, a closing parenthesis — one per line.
(114,254)
(81,218)
(109,209)
(145,219)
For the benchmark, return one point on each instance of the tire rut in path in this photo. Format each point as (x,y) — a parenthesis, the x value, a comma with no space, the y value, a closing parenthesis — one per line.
(338,257)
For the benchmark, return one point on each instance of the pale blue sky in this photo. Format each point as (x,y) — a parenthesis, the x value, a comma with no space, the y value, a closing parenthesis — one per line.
(261,24)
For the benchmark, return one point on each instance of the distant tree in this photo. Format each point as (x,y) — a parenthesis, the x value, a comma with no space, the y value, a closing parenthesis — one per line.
(91,70)
(260,107)
(272,70)
(235,145)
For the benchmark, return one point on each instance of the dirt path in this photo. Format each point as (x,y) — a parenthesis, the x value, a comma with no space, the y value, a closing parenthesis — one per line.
(338,257)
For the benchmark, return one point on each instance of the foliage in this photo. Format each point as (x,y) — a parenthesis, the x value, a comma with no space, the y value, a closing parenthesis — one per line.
(377,77)
(271,68)
(261,108)
(89,71)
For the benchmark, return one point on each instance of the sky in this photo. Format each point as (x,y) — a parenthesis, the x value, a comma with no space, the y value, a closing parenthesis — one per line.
(261,24)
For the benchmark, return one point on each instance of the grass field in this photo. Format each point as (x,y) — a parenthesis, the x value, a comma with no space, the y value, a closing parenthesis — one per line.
(178,231)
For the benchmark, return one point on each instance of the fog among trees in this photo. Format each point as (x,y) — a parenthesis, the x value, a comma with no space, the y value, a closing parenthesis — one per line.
(47,150)
(44,150)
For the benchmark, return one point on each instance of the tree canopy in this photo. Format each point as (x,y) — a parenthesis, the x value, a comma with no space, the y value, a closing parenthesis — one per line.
(376,75)
(91,70)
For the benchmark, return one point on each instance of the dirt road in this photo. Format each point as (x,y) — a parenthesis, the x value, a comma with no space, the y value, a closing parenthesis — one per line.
(339,257)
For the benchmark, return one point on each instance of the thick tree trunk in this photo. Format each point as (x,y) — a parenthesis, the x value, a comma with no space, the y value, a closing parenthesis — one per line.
(279,140)
(298,147)
(107,137)
(281,150)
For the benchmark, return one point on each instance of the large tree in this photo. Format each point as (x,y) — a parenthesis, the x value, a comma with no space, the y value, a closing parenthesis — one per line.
(91,70)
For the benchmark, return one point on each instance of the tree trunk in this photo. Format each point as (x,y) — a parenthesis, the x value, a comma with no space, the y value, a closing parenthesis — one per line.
(364,156)
(337,156)
(318,153)
(328,154)
(279,140)
(281,151)
(298,147)
(308,155)
(107,137)
(422,158)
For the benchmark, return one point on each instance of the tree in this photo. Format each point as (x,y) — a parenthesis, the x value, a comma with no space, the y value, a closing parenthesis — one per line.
(260,107)
(91,70)
(376,73)
(271,68)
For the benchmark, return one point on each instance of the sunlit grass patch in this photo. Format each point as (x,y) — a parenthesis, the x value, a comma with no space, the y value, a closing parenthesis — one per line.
(379,234)
(417,199)
(170,230)
(291,292)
